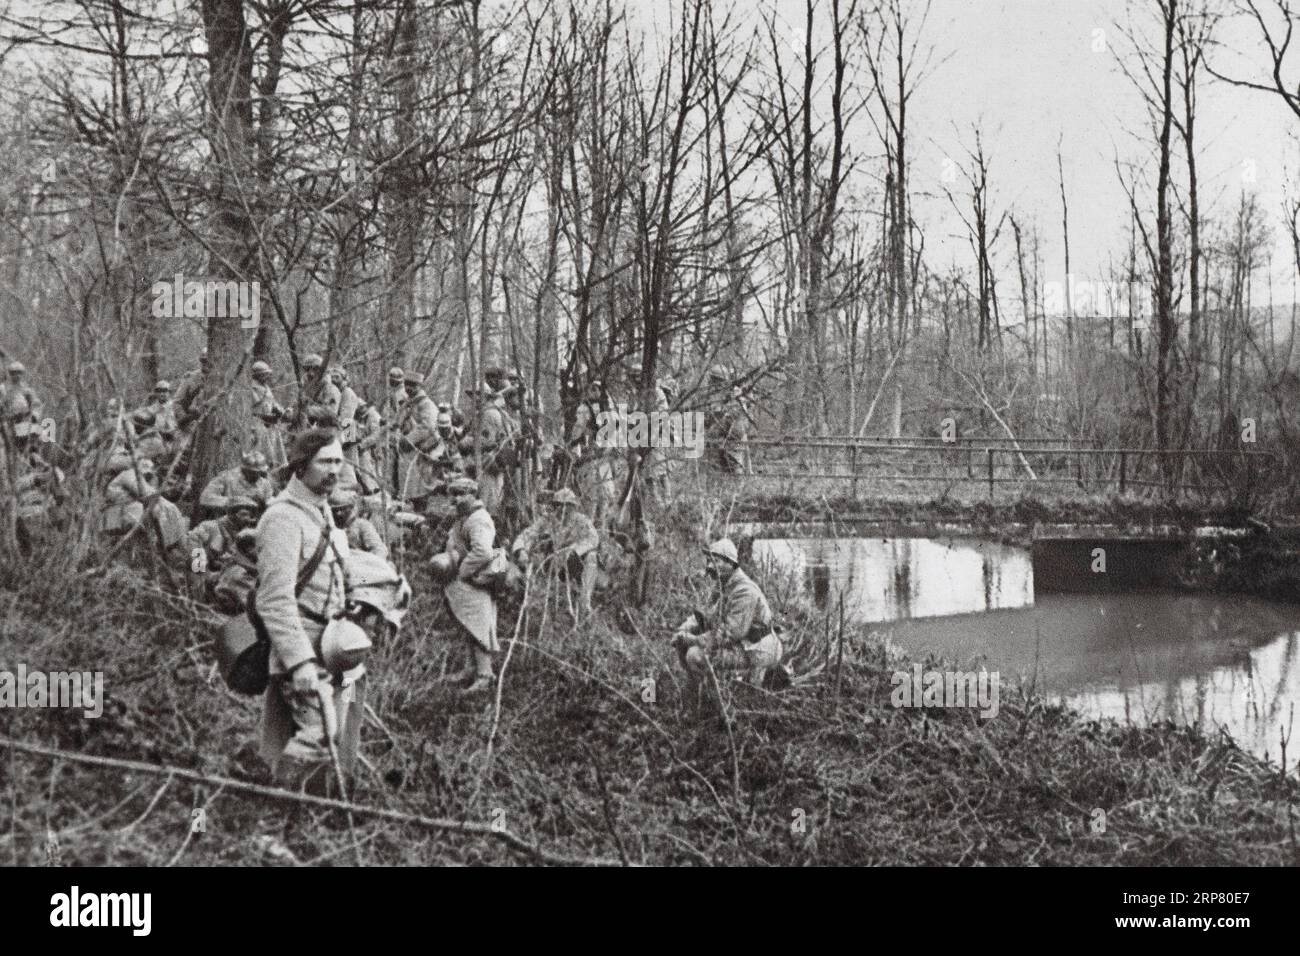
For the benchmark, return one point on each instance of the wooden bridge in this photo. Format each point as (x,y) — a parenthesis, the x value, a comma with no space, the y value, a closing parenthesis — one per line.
(845,466)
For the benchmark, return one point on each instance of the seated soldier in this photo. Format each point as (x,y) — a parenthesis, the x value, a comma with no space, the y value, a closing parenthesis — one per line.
(156,423)
(567,535)
(736,634)
(131,495)
(362,535)
(239,575)
(248,480)
(210,544)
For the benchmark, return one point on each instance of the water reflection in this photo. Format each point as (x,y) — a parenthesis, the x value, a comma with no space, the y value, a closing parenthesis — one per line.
(1218,661)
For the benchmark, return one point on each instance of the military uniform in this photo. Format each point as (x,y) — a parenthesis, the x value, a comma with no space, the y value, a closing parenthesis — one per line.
(419,425)
(22,407)
(215,538)
(572,535)
(737,632)
(267,415)
(187,394)
(232,484)
(364,536)
(473,608)
(294,738)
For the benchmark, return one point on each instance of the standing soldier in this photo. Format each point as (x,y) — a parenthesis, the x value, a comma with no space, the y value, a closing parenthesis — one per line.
(470,599)
(248,480)
(22,406)
(268,415)
(368,427)
(320,396)
(736,634)
(188,391)
(419,434)
(300,587)
(490,437)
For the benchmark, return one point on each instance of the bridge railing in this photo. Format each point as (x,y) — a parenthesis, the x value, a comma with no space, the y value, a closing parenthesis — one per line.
(852,465)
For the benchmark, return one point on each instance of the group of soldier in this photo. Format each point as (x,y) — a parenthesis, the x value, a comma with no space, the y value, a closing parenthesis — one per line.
(297,535)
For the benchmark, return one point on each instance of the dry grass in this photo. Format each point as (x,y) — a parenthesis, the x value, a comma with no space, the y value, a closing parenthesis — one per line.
(578,761)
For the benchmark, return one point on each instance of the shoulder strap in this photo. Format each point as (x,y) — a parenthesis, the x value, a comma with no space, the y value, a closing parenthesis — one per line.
(317,556)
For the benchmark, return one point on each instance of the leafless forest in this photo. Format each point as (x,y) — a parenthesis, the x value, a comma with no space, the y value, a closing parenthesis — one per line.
(603,195)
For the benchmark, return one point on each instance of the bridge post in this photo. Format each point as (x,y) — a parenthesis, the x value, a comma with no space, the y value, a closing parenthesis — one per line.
(853,469)
(990,451)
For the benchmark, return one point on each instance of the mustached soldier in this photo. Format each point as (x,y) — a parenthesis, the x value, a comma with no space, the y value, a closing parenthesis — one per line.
(301,585)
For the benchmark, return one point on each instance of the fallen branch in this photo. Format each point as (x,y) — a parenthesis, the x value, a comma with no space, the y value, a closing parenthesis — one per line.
(512,840)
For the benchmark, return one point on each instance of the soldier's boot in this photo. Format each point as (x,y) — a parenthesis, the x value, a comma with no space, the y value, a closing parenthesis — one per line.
(484,679)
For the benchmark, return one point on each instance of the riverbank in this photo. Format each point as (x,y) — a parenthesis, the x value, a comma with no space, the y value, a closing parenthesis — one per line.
(594,753)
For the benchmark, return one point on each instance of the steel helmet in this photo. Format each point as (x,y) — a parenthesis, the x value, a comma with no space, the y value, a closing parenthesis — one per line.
(719,373)
(444,419)
(343,645)
(462,486)
(444,568)
(395,374)
(162,386)
(375,582)
(261,368)
(564,496)
(16,367)
(313,361)
(254,461)
(724,548)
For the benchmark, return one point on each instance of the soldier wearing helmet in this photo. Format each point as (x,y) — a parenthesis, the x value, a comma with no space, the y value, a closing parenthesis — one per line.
(22,406)
(419,427)
(210,545)
(321,396)
(157,424)
(250,479)
(736,633)
(361,532)
(470,599)
(268,416)
(564,540)
(185,400)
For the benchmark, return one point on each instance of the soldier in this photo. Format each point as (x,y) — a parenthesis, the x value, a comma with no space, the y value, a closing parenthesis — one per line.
(238,576)
(349,401)
(419,434)
(188,391)
(268,416)
(22,406)
(215,538)
(133,494)
(156,424)
(300,586)
(567,536)
(491,436)
(249,479)
(210,545)
(729,426)
(434,467)
(736,634)
(112,440)
(393,408)
(470,599)
(362,535)
(320,396)
(372,436)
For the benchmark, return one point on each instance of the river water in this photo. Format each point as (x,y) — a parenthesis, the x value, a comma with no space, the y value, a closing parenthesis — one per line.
(1223,662)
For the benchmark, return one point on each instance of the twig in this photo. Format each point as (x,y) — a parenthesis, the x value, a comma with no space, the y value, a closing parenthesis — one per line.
(512,840)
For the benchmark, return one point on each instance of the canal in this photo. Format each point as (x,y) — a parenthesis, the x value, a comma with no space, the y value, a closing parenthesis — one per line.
(1223,662)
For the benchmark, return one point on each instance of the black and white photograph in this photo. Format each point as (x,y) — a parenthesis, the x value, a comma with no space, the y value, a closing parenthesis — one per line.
(673,434)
